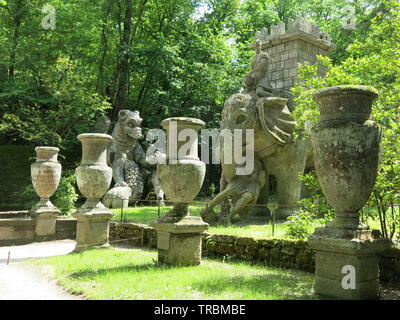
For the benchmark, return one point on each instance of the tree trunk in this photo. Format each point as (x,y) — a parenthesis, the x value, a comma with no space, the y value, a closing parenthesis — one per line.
(17,19)
(120,97)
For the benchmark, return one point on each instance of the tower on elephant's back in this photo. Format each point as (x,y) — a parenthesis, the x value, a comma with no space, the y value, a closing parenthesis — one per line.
(288,46)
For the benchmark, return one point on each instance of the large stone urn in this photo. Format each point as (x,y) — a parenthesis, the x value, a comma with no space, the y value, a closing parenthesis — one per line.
(346,146)
(93,178)
(181,178)
(46,175)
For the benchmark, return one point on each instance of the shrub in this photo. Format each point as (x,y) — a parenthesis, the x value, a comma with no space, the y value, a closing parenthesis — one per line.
(300,224)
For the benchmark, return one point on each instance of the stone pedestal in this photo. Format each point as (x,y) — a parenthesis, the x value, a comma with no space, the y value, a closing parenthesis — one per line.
(92,229)
(46,175)
(93,177)
(347,262)
(45,222)
(179,243)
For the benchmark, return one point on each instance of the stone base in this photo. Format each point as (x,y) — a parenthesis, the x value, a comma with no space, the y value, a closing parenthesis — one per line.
(347,264)
(92,229)
(179,243)
(45,219)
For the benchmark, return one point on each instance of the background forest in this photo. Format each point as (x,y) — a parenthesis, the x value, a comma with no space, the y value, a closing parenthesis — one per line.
(178,57)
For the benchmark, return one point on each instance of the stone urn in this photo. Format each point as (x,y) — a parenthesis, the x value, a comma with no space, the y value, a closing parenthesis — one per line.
(346,146)
(93,178)
(182,176)
(46,175)
(179,235)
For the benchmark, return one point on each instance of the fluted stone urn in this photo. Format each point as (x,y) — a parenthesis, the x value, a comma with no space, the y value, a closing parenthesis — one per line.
(346,145)
(94,179)
(181,178)
(46,175)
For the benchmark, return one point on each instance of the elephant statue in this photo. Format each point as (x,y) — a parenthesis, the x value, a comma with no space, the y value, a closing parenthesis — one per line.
(275,146)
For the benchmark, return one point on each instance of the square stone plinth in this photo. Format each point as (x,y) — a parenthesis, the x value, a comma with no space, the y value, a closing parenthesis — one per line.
(347,265)
(92,230)
(180,243)
(45,221)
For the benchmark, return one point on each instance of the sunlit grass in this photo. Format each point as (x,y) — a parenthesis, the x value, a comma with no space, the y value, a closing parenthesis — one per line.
(135,274)
(145,215)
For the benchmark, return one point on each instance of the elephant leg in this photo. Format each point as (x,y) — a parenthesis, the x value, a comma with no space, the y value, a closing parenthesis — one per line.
(261,211)
(287,165)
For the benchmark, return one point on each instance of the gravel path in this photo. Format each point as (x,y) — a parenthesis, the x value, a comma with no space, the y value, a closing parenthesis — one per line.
(21,281)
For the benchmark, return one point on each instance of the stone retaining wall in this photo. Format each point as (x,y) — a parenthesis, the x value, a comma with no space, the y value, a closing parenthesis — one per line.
(14,214)
(22,231)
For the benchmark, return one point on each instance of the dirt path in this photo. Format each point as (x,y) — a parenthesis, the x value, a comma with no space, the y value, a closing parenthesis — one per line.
(22,281)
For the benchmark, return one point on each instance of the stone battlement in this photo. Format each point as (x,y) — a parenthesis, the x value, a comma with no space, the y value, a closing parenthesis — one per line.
(298,28)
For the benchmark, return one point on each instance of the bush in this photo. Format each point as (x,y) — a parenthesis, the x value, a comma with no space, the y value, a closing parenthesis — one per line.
(300,224)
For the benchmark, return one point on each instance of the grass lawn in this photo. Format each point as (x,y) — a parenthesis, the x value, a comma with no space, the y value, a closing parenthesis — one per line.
(134,274)
(147,214)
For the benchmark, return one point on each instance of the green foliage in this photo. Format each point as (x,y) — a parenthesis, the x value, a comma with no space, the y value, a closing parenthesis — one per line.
(374,62)
(300,224)
(315,204)
(315,209)
(66,194)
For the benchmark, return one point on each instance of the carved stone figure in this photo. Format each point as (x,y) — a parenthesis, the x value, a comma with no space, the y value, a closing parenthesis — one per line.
(128,161)
(281,156)
(257,80)
(242,191)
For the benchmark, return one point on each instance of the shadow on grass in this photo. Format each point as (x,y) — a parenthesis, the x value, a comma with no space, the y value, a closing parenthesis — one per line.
(275,285)
(93,273)
(285,286)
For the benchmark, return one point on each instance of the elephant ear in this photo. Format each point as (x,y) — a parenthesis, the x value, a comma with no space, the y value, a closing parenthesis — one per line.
(275,118)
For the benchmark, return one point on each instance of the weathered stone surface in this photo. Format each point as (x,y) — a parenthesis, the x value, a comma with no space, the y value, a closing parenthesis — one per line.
(273,126)
(188,167)
(117,197)
(92,231)
(183,249)
(246,241)
(128,160)
(367,290)
(180,243)
(223,238)
(45,224)
(46,175)
(93,178)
